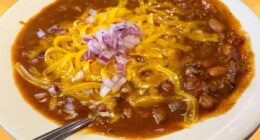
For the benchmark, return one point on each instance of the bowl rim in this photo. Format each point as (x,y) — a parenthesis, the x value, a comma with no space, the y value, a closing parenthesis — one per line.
(237,7)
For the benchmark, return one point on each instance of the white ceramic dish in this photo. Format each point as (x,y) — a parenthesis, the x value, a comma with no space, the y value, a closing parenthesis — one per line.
(24,123)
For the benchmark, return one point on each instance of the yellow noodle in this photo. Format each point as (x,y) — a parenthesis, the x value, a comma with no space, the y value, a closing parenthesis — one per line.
(40,82)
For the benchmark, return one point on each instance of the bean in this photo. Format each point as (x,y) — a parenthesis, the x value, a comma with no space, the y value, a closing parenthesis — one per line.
(217,71)
(207,63)
(216,26)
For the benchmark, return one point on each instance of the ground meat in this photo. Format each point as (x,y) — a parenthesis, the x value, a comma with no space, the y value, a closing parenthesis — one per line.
(191,83)
(237,40)
(182,5)
(103,120)
(230,52)
(234,39)
(187,61)
(206,5)
(192,71)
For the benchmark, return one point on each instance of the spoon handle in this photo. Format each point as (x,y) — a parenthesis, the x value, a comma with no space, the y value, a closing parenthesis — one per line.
(66,130)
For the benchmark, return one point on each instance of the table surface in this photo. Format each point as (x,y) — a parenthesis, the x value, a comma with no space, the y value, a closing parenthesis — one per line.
(5,4)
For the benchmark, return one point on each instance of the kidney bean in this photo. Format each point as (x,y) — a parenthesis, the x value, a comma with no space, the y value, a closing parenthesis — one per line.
(217,71)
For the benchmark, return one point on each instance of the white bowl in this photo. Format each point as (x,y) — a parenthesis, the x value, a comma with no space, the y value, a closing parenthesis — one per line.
(23,122)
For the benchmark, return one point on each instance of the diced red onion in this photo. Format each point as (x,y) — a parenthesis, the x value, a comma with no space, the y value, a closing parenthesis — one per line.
(90,20)
(53,90)
(78,76)
(118,27)
(69,107)
(131,41)
(103,46)
(118,39)
(122,59)
(105,57)
(92,12)
(41,34)
(107,39)
(87,38)
(116,78)
(128,45)
(53,29)
(104,91)
(108,83)
(108,54)
(69,104)
(88,55)
(120,68)
(115,42)
(117,86)
(94,46)
(133,29)
(100,33)
(62,31)
(120,43)
(40,96)
(103,60)
(41,55)
(122,50)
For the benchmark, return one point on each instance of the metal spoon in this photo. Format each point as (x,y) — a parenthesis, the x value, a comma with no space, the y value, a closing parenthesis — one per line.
(66,130)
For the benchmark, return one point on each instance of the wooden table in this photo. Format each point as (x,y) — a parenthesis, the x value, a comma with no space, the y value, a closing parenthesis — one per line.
(5,4)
